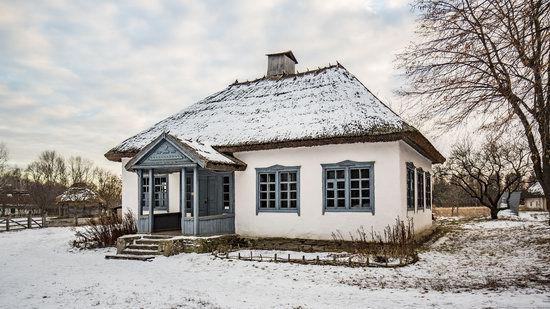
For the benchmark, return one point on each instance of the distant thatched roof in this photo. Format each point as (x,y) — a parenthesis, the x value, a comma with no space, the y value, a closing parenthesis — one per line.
(79,195)
(324,106)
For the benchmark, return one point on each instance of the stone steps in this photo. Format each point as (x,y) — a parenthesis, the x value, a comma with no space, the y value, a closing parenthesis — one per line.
(148,241)
(140,252)
(143,247)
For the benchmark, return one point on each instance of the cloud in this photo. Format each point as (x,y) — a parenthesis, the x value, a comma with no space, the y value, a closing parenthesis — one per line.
(81,76)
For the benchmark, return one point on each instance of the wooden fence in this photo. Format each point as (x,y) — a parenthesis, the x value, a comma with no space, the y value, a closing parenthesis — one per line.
(335,260)
(15,224)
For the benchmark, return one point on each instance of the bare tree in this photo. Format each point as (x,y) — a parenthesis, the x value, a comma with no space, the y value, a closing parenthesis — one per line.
(80,170)
(108,186)
(486,174)
(486,59)
(4,155)
(46,178)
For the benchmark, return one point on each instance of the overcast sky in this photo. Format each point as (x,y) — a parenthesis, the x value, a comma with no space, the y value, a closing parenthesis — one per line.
(81,76)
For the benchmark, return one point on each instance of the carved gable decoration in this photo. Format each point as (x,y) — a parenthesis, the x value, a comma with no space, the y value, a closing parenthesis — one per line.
(164,154)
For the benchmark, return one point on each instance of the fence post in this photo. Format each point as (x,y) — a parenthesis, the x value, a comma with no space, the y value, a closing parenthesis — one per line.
(44,215)
(275,257)
(8,223)
(75,219)
(29,220)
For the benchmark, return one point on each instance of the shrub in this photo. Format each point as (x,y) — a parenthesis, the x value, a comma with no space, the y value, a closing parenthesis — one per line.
(395,242)
(104,230)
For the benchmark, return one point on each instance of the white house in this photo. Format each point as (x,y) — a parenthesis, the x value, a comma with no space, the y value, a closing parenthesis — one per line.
(287,155)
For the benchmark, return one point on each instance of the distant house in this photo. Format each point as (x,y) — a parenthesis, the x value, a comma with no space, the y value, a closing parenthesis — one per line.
(17,202)
(290,154)
(534,198)
(81,200)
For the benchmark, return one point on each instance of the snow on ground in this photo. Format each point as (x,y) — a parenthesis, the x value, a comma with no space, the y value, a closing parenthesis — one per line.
(477,264)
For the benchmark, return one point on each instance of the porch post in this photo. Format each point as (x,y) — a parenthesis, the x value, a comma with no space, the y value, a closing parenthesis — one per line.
(183,197)
(140,193)
(195,201)
(151,198)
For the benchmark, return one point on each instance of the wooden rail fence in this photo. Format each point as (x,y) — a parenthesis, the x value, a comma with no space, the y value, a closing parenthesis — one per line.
(15,224)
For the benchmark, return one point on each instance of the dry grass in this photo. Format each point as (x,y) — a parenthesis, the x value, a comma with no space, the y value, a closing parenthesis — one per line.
(466,212)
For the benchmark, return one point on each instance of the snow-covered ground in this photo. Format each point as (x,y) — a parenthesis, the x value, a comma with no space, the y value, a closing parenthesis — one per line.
(484,264)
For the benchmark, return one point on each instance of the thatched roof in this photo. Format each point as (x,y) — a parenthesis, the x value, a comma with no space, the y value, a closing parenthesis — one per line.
(325,106)
(79,195)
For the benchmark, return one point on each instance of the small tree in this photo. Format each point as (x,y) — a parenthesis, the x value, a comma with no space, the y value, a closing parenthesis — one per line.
(488,172)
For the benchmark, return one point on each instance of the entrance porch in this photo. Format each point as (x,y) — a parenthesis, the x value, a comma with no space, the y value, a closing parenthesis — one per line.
(187,193)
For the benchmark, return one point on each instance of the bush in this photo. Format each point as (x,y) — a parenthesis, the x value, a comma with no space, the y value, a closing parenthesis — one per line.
(396,242)
(104,230)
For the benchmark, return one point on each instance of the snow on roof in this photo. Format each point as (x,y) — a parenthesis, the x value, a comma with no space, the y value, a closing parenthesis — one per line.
(79,194)
(536,189)
(206,151)
(321,104)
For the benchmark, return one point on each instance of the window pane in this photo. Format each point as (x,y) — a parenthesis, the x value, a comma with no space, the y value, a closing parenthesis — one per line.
(284,176)
(330,185)
(293,186)
(293,204)
(272,195)
(365,173)
(271,177)
(341,203)
(293,176)
(263,187)
(263,204)
(263,195)
(340,174)
(263,177)
(330,194)
(354,202)
(354,193)
(341,185)
(331,174)
(354,174)
(272,187)
(284,187)
(293,195)
(284,204)
(355,184)
(341,193)
(284,195)
(330,203)
(271,204)
(365,183)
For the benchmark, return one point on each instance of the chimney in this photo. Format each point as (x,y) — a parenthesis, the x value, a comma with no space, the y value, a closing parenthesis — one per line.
(280,63)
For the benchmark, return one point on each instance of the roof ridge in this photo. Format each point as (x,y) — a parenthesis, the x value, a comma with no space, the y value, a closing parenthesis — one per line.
(285,76)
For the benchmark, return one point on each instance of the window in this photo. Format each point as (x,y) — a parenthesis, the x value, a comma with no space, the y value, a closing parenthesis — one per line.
(420,190)
(428,190)
(160,192)
(226,193)
(348,186)
(410,186)
(278,189)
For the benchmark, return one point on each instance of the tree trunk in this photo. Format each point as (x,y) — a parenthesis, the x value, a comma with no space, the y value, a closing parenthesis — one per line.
(494,213)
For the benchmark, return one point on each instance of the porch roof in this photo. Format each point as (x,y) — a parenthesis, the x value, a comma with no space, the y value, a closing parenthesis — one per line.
(168,151)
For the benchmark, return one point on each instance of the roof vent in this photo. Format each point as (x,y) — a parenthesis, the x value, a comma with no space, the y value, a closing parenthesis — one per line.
(279,64)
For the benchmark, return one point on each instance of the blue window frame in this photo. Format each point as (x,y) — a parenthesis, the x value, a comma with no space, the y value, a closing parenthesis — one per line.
(278,189)
(420,189)
(348,186)
(410,186)
(428,190)
(160,192)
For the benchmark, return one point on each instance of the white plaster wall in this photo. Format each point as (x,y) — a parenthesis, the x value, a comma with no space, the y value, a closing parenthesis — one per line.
(312,223)
(422,218)
(129,189)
